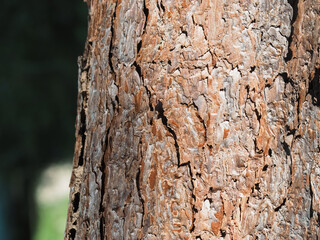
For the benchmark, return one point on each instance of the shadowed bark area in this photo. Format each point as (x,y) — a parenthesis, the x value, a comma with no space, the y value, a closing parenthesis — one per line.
(198,120)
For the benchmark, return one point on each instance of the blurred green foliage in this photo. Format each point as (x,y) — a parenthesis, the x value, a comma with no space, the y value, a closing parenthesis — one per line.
(39,44)
(52,220)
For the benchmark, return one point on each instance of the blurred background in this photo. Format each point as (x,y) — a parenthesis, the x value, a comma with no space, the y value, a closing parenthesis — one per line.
(39,45)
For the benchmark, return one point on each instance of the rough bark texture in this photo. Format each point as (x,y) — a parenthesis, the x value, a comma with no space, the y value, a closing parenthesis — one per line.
(198,120)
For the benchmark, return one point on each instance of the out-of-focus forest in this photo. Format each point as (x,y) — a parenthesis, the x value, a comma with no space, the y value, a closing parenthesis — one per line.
(39,45)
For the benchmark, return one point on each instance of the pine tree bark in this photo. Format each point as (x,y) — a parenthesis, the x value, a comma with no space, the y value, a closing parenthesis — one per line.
(198,120)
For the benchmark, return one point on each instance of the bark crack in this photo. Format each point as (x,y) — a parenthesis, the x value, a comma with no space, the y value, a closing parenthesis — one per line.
(146,13)
(314,88)
(281,205)
(114,15)
(201,120)
(311,197)
(140,196)
(103,178)
(294,5)
(84,70)
(160,110)
(160,6)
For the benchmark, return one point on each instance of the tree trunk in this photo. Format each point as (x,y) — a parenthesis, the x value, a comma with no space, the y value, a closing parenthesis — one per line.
(198,120)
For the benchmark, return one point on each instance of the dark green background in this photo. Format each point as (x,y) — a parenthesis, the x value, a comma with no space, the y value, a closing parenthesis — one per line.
(39,45)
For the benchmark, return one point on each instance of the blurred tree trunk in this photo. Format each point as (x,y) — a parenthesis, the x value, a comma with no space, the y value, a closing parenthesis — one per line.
(198,120)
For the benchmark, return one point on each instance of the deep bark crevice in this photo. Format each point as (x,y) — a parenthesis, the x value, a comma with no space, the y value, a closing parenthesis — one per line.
(82,133)
(294,5)
(150,104)
(160,6)
(83,126)
(311,198)
(102,224)
(194,209)
(72,234)
(223,233)
(111,40)
(265,168)
(75,202)
(138,68)
(160,110)
(146,13)
(140,195)
(103,178)
(314,88)
(139,45)
(286,148)
(281,205)
(290,131)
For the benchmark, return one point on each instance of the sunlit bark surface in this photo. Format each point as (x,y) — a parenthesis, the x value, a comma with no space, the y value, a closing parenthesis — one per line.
(198,120)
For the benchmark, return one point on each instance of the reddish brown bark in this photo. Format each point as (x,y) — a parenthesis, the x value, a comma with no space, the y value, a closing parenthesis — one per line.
(198,120)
